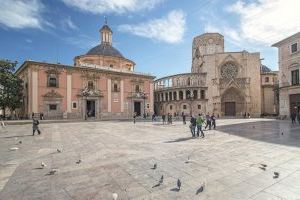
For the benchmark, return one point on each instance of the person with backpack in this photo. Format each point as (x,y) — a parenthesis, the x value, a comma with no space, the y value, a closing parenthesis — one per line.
(193,125)
(200,122)
(35,126)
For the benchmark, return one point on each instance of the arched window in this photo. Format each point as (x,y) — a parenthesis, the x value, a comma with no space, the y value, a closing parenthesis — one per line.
(195,93)
(180,95)
(174,95)
(52,80)
(90,85)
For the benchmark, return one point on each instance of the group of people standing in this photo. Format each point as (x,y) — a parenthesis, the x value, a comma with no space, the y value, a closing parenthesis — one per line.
(198,122)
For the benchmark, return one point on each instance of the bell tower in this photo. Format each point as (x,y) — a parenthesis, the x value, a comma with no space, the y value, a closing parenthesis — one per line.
(106,34)
(205,44)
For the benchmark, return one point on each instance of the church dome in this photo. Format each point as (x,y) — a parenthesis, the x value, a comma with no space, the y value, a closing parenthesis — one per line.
(104,49)
(265,69)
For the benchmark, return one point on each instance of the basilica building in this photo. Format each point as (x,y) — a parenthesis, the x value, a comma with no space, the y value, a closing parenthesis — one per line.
(102,84)
(223,83)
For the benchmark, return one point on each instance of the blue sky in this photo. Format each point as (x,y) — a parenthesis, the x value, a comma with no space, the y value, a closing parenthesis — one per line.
(156,34)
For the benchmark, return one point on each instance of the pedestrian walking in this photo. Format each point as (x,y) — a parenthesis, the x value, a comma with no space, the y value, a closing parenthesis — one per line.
(200,122)
(169,118)
(193,125)
(208,121)
(213,121)
(183,118)
(35,126)
(3,124)
(298,117)
(293,117)
(134,117)
(153,117)
(163,117)
(249,115)
(32,115)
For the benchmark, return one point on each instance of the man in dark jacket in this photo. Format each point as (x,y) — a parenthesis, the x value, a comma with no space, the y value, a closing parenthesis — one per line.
(35,126)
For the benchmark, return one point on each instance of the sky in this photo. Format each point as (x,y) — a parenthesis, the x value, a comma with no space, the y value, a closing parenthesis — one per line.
(156,34)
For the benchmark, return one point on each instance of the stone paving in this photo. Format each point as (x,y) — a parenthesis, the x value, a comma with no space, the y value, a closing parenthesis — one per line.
(117,157)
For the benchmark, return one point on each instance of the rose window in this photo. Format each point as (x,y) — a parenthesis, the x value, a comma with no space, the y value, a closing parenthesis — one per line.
(229,71)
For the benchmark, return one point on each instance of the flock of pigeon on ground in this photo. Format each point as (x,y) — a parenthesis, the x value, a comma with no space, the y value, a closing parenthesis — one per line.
(161,180)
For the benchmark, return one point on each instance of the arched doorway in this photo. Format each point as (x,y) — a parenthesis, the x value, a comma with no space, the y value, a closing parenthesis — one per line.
(232,102)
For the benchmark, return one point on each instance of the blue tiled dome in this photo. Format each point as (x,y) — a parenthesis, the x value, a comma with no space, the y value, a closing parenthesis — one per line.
(105,50)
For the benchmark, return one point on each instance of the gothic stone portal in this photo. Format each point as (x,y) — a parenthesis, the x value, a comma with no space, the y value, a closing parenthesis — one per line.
(232,102)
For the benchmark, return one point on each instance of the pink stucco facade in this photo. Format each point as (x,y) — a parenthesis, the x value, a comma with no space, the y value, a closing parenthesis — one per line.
(101,84)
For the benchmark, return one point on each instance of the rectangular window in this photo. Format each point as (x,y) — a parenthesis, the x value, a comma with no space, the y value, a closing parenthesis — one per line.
(199,107)
(74,105)
(294,48)
(148,105)
(184,107)
(52,107)
(295,77)
(137,88)
(90,85)
(267,79)
(116,87)
(171,107)
(202,94)
(52,80)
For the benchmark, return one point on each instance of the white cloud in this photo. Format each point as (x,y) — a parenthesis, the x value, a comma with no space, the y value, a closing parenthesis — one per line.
(112,6)
(168,29)
(21,14)
(267,21)
(28,40)
(67,23)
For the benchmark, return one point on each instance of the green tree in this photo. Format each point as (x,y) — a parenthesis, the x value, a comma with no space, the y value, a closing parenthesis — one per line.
(10,86)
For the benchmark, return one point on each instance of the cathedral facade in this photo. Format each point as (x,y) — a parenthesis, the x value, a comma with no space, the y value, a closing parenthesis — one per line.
(223,83)
(102,84)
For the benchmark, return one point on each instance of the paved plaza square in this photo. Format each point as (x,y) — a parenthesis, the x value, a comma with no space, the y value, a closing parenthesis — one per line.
(118,157)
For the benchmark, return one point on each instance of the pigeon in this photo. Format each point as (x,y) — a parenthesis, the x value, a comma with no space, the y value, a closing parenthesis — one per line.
(13,148)
(20,142)
(58,150)
(178,184)
(53,171)
(282,133)
(264,165)
(159,182)
(161,179)
(276,173)
(188,159)
(78,162)
(154,166)
(201,189)
(263,168)
(115,196)
(43,165)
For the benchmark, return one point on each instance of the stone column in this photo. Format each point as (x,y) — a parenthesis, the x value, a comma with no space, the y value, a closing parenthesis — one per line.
(34,83)
(199,93)
(177,95)
(69,93)
(151,98)
(122,95)
(109,95)
(184,94)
